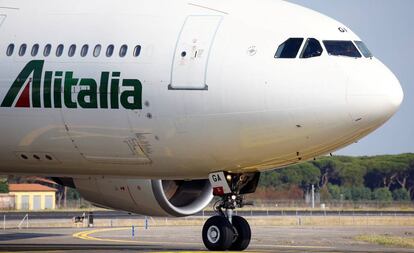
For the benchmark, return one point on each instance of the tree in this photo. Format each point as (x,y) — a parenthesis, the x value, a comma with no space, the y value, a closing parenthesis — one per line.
(4,186)
(334,191)
(384,171)
(382,194)
(291,175)
(310,175)
(410,180)
(353,178)
(352,175)
(346,193)
(361,193)
(328,168)
(401,195)
(72,194)
(270,179)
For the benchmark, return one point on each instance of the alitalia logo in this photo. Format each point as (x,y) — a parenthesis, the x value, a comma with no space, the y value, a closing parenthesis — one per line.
(37,88)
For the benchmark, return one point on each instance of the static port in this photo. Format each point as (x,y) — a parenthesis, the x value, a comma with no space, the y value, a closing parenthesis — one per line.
(24,157)
(48,157)
(36,157)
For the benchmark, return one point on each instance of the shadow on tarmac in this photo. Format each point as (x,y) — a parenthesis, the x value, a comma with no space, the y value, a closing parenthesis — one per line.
(24,236)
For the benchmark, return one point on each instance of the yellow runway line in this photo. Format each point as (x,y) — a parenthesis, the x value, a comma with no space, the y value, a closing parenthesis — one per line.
(47,251)
(86,235)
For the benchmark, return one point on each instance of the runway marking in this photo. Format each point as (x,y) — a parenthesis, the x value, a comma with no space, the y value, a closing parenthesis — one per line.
(48,251)
(86,235)
(293,246)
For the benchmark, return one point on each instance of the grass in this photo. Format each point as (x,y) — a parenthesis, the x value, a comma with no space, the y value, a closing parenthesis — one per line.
(387,240)
(336,208)
(299,221)
(328,221)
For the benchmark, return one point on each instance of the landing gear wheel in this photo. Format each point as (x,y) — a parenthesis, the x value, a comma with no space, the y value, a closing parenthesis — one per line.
(243,234)
(218,233)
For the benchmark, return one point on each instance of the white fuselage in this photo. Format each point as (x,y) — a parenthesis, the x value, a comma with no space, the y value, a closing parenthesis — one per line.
(214,98)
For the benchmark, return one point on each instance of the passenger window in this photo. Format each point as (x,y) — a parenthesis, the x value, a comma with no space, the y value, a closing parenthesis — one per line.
(364,49)
(137,51)
(22,50)
(84,50)
(123,50)
(341,48)
(10,50)
(289,48)
(311,49)
(97,50)
(59,50)
(35,50)
(110,50)
(72,50)
(47,50)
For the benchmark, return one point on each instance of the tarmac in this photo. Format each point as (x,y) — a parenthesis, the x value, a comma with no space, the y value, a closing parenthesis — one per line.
(188,239)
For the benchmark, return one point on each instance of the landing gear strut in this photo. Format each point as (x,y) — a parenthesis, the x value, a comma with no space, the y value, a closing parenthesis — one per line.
(226,231)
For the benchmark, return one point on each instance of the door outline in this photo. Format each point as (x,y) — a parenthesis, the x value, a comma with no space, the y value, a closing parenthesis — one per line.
(170,86)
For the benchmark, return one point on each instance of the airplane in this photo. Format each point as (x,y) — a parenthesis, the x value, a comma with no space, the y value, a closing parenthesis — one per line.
(156,106)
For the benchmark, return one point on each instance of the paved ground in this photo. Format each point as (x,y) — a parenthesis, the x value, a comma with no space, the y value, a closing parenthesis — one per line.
(187,239)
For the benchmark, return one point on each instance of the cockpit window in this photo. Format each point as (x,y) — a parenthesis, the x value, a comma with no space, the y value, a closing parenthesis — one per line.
(341,48)
(364,49)
(289,48)
(312,48)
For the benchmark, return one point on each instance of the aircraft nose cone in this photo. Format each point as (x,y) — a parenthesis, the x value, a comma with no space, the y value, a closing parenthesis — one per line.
(395,94)
(375,94)
(391,92)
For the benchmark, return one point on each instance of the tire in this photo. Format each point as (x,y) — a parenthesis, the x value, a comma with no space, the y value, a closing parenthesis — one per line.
(243,234)
(218,234)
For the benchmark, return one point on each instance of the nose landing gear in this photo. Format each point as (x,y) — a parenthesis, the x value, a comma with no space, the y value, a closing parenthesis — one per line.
(226,231)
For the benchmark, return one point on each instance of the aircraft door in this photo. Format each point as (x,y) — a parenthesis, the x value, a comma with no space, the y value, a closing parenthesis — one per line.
(192,52)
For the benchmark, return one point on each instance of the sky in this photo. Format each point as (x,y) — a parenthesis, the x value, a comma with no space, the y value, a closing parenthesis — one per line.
(387,27)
